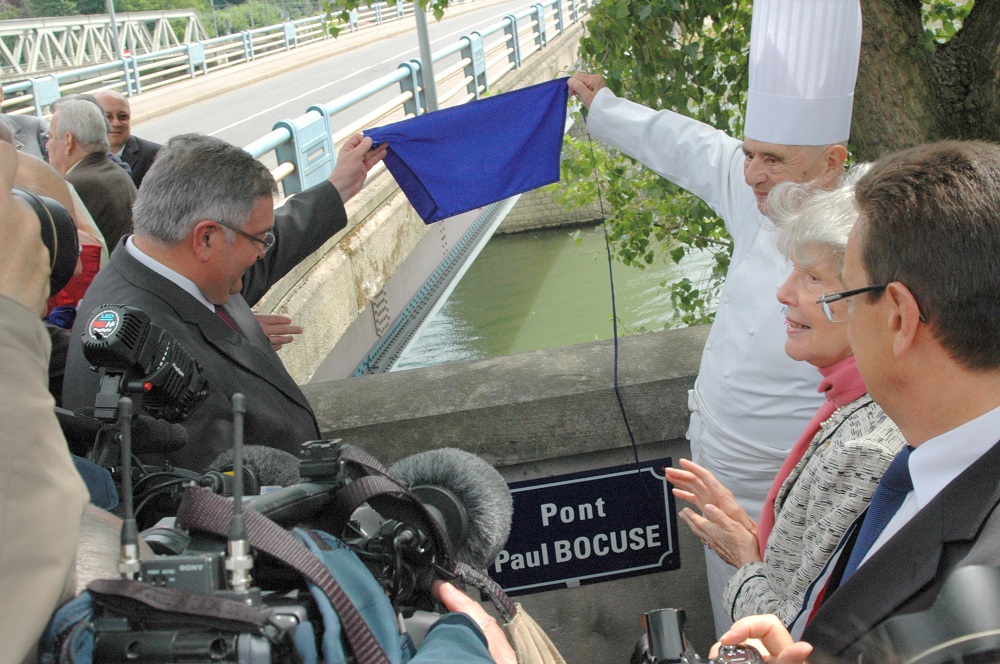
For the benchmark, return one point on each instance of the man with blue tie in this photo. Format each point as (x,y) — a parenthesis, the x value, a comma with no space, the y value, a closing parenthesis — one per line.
(922,273)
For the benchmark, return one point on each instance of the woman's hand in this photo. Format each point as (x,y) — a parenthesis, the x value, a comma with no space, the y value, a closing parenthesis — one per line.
(696,485)
(729,539)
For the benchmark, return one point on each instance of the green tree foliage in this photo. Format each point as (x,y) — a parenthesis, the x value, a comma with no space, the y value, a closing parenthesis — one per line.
(33,8)
(688,57)
(928,71)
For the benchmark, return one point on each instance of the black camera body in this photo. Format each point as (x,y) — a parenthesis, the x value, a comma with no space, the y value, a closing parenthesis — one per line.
(664,642)
(404,566)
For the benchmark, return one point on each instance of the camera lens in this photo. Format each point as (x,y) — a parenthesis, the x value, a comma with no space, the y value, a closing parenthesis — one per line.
(59,236)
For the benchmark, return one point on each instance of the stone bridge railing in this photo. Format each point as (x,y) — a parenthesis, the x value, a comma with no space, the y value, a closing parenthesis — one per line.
(542,413)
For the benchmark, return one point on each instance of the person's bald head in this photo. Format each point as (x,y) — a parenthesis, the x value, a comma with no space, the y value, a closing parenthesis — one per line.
(119,114)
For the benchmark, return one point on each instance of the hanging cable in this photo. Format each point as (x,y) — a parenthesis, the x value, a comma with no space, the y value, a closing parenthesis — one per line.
(614,308)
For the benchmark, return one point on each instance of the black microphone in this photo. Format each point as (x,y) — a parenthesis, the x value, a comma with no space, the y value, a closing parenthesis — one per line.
(149,434)
(264,469)
(454,481)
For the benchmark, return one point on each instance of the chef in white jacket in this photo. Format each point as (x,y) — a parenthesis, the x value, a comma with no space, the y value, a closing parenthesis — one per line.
(750,401)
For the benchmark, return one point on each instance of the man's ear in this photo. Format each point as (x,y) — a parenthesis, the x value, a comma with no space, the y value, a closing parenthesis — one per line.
(71,142)
(904,317)
(206,237)
(835,157)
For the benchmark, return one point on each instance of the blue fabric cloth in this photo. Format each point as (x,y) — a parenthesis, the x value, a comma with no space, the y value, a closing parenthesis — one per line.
(62,317)
(464,157)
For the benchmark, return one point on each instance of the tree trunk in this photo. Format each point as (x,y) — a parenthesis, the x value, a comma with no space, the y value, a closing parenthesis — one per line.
(967,74)
(891,98)
(907,95)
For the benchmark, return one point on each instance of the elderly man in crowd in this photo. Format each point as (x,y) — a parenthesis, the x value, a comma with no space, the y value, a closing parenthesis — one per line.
(30,132)
(78,149)
(750,401)
(134,151)
(923,288)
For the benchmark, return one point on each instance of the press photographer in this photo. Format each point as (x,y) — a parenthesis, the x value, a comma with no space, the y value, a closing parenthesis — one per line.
(42,496)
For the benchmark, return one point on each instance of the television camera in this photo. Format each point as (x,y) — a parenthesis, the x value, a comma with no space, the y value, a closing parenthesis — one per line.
(224,587)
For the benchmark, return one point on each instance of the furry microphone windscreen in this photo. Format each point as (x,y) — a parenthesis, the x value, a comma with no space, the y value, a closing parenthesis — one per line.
(479,488)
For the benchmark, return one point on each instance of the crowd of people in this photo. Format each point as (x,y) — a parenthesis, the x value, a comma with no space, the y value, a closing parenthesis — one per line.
(825,510)
(194,240)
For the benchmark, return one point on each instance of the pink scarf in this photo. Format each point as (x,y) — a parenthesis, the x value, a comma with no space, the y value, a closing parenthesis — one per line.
(841,384)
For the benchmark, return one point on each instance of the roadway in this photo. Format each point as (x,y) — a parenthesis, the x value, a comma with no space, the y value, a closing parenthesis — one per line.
(243,104)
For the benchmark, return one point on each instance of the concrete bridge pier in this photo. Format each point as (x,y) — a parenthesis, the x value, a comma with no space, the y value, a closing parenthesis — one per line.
(542,413)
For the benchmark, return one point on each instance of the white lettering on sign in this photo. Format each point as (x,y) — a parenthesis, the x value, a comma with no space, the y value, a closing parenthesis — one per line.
(522,560)
(569,514)
(581,548)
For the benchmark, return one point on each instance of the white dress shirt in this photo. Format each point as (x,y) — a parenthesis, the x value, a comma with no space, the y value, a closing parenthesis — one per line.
(167,273)
(936,463)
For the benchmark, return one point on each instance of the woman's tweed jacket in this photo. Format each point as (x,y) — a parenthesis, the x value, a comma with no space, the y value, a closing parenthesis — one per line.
(821,497)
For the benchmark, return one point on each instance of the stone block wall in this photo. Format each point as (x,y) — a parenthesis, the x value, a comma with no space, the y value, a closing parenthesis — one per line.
(539,414)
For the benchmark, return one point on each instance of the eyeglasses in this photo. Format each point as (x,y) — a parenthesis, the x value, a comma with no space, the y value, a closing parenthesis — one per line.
(832,315)
(267,241)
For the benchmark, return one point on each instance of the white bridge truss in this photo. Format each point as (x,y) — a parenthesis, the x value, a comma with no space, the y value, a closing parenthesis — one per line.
(40,46)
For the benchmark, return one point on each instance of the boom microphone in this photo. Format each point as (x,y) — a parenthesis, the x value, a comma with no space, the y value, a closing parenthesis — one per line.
(478,488)
(149,435)
(270,466)
(154,436)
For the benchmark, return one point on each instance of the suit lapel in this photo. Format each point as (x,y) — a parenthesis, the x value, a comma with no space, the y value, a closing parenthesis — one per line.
(909,562)
(253,353)
(130,150)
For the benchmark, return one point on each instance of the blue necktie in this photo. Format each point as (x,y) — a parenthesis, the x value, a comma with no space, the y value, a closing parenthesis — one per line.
(889,495)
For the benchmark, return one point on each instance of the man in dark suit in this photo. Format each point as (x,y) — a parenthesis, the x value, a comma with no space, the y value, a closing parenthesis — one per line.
(207,245)
(78,149)
(923,310)
(134,151)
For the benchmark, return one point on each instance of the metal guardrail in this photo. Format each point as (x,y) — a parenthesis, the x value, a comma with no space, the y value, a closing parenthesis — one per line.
(304,148)
(138,72)
(40,46)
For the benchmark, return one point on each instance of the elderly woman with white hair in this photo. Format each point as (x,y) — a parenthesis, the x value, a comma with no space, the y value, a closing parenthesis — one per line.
(831,473)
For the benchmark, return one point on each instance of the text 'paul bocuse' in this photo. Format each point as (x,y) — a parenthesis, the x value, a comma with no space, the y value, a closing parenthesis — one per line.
(583,547)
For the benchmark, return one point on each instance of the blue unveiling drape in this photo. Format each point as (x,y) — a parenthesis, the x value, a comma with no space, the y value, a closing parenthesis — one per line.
(464,157)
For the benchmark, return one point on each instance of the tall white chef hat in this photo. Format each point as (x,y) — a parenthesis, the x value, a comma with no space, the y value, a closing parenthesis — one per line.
(803,66)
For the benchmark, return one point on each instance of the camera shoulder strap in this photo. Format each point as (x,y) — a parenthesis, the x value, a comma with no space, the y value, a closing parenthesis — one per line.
(390,499)
(203,510)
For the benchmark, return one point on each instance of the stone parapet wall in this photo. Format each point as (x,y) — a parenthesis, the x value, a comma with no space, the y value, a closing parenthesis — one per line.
(537,210)
(537,414)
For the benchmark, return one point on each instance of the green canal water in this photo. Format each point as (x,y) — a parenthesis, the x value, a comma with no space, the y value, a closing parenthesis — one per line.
(542,290)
